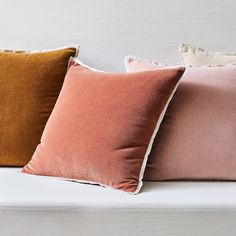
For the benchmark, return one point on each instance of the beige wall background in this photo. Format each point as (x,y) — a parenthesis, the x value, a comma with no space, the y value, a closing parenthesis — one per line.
(107,30)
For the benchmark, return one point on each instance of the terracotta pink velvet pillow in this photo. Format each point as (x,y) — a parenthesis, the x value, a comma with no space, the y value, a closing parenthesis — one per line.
(197,138)
(103,125)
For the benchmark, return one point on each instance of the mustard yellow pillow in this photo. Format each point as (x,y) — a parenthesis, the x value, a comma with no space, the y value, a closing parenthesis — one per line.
(29,86)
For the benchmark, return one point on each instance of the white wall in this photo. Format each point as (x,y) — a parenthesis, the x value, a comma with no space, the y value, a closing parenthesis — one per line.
(107,30)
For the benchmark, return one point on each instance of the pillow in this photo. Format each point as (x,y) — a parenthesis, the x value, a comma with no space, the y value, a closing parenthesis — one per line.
(29,85)
(103,125)
(197,138)
(194,56)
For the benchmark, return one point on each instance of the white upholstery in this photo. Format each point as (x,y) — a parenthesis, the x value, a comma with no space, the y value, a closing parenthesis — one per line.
(38,206)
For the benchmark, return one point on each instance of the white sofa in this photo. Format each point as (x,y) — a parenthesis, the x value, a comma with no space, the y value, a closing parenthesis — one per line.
(43,206)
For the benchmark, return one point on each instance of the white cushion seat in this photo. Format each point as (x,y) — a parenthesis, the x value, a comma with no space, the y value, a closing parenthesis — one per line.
(50,206)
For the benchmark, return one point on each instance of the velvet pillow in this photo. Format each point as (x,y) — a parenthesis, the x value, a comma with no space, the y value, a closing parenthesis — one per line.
(103,125)
(29,85)
(194,56)
(197,138)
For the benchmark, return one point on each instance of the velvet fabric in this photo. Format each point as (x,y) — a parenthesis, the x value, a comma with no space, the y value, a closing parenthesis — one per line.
(29,86)
(102,126)
(197,138)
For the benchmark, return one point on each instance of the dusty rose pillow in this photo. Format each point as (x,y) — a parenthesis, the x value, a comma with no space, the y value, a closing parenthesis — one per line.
(103,125)
(197,138)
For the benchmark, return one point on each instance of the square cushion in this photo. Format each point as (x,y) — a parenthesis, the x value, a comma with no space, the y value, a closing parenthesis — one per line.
(197,138)
(29,85)
(194,56)
(103,125)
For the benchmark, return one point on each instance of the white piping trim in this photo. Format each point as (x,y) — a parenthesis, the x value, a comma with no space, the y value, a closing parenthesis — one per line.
(153,137)
(148,61)
(126,62)
(76,60)
(130,58)
(77,47)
